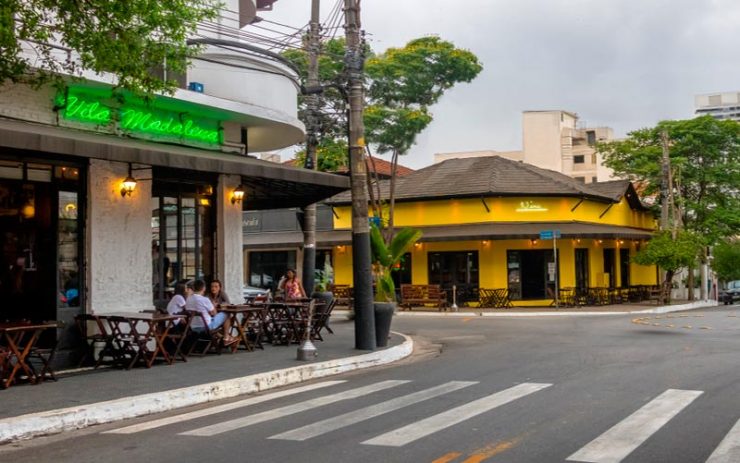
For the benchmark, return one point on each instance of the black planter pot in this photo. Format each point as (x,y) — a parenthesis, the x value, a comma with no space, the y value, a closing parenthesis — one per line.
(383,316)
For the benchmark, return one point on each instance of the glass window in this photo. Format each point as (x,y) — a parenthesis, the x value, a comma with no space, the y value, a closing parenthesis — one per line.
(68,249)
(455,268)
(578,159)
(266,268)
(531,274)
(11,170)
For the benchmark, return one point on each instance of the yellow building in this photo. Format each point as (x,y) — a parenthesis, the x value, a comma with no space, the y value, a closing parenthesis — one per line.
(484,220)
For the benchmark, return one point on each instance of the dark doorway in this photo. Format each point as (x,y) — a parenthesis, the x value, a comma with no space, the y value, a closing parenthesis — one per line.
(624,267)
(531,274)
(609,268)
(455,268)
(581,269)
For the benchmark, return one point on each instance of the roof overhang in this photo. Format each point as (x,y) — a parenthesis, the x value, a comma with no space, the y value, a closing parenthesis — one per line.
(466,232)
(268,185)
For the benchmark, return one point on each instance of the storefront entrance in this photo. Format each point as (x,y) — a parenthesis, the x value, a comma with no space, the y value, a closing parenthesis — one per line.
(266,268)
(531,274)
(455,268)
(40,240)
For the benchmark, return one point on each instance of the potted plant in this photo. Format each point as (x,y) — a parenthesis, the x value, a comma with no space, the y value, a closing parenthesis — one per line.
(385,258)
(322,287)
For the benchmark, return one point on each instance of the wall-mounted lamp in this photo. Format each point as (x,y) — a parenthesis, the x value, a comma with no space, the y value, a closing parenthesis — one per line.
(621,242)
(129,184)
(601,241)
(238,195)
(417,245)
(534,242)
(485,242)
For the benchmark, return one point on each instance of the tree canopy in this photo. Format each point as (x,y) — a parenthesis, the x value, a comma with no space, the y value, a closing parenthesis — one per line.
(705,161)
(127,39)
(726,262)
(401,83)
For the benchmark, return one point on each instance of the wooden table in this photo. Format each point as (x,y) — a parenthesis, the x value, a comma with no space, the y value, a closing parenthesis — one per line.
(133,342)
(247,320)
(17,342)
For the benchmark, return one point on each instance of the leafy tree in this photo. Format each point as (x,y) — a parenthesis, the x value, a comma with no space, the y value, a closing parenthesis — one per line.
(331,155)
(705,158)
(671,253)
(705,161)
(127,39)
(726,262)
(402,84)
(386,256)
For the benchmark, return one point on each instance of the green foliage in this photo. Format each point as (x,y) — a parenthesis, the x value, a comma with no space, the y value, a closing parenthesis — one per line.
(705,158)
(324,278)
(401,85)
(726,262)
(127,39)
(331,154)
(668,253)
(386,256)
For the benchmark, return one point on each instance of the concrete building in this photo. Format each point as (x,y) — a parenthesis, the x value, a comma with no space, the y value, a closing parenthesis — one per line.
(553,140)
(719,105)
(106,202)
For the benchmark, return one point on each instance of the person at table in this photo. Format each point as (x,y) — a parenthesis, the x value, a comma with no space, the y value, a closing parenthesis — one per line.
(176,306)
(291,286)
(200,303)
(217,295)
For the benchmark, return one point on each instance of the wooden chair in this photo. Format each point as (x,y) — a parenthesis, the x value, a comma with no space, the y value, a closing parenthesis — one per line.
(210,340)
(98,336)
(321,316)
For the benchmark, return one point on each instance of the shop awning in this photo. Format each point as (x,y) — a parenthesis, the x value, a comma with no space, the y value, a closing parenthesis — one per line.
(291,239)
(466,232)
(268,185)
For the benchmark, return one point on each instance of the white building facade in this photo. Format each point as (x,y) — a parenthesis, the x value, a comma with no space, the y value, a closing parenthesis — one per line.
(76,238)
(719,105)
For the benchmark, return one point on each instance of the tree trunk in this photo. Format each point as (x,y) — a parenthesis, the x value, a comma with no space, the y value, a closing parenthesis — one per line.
(667,286)
(690,283)
(392,197)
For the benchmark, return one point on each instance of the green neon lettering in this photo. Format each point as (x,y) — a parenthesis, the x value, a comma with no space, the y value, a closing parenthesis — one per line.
(87,108)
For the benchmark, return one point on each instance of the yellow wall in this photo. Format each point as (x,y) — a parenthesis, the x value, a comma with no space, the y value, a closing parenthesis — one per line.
(492,262)
(520,209)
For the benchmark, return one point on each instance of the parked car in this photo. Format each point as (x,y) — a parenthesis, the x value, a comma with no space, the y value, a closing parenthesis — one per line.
(731,293)
(250,292)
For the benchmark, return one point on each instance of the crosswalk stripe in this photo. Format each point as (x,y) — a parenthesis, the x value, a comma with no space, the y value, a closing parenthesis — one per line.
(218,408)
(250,420)
(729,449)
(337,422)
(404,435)
(619,441)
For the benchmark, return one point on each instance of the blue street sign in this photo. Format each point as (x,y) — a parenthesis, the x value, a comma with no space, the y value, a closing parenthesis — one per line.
(549,234)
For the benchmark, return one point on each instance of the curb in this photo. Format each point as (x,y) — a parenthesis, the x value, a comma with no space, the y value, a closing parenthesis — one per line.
(67,419)
(656,310)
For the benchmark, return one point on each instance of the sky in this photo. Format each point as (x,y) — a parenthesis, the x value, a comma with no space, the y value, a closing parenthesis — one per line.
(624,64)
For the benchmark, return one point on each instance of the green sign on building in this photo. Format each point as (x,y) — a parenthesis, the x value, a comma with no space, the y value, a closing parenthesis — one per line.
(173,122)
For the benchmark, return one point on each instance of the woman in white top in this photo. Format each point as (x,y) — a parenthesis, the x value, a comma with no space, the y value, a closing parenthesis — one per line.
(177,303)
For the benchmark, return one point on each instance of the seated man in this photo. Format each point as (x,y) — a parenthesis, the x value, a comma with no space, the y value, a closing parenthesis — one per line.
(199,303)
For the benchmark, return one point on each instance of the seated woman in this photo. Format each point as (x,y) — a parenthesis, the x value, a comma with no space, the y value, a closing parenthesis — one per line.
(176,305)
(217,295)
(291,286)
(197,302)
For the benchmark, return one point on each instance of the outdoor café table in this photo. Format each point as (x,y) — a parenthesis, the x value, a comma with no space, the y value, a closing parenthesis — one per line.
(246,319)
(281,321)
(134,342)
(17,341)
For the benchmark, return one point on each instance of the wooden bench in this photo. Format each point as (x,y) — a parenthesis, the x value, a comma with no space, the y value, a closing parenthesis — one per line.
(343,295)
(420,295)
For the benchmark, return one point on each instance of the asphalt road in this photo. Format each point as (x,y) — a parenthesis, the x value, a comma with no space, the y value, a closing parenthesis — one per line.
(601,389)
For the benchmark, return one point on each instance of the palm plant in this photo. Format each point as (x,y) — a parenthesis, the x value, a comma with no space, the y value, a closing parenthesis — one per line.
(386,256)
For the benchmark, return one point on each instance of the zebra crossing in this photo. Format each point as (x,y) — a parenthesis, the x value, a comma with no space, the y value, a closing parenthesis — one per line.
(612,446)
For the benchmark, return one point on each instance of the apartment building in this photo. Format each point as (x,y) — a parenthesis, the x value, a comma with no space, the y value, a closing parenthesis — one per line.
(718,105)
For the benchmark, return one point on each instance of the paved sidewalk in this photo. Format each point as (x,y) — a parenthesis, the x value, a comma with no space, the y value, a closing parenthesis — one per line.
(82,388)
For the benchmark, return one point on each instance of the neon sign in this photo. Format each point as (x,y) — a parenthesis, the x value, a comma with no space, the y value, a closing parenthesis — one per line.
(530,206)
(138,119)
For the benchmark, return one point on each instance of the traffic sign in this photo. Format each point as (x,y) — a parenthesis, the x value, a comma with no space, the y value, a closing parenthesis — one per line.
(549,234)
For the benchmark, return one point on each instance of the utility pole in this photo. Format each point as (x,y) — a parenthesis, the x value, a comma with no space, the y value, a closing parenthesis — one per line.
(362,273)
(312,141)
(665,183)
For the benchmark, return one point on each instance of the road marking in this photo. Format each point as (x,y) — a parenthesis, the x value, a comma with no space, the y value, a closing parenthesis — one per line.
(729,449)
(404,435)
(484,454)
(218,409)
(250,420)
(347,419)
(447,457)
(619,441)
